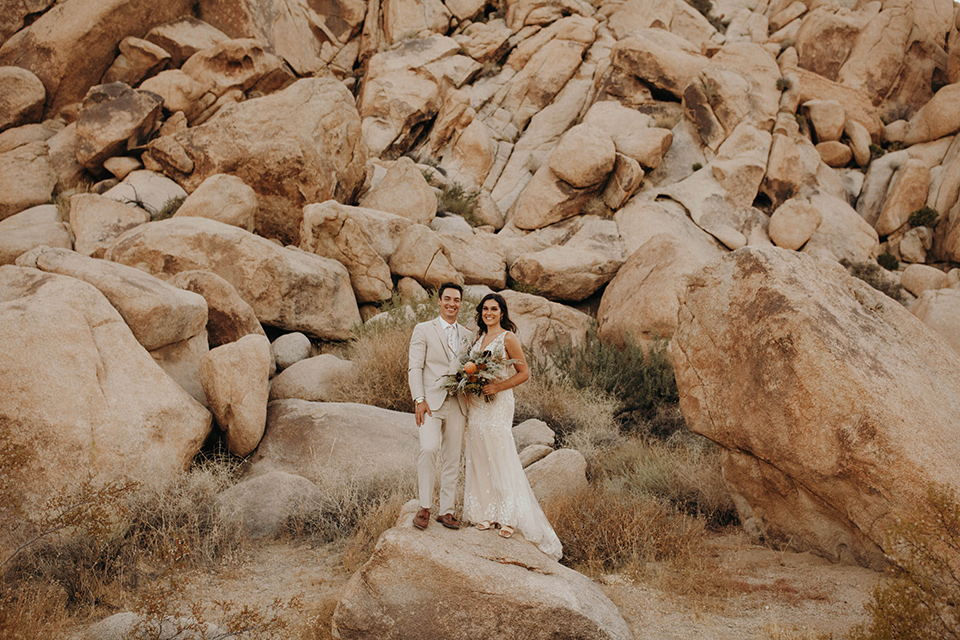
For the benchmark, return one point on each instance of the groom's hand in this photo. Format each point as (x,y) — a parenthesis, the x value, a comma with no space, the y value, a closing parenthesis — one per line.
(422,408)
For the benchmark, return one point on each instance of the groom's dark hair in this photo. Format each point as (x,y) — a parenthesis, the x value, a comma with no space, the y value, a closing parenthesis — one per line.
(449,285)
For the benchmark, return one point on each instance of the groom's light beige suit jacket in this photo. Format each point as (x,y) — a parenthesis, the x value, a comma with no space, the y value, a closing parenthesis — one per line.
(431,358)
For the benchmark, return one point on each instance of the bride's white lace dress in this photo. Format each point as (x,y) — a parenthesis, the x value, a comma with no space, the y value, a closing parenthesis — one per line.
(497,489)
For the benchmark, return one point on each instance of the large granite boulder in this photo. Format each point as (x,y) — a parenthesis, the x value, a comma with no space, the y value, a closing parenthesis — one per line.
(542,324)
(81,395)
(293,147)
(229,317)
(97,221)
(286,287)
(27,178)
(468,584)
(835,406)
(21,97)
(37,226)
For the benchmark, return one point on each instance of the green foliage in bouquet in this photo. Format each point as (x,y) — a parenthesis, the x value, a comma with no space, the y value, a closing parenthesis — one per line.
(474,372)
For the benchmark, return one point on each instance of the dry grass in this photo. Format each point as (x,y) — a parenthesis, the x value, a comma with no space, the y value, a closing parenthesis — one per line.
(606,529)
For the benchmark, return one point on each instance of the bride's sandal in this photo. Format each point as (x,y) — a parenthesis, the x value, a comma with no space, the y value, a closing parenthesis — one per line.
(506,531)
(483,526)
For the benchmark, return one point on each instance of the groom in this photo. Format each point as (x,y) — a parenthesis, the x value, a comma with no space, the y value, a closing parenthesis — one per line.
(434,347)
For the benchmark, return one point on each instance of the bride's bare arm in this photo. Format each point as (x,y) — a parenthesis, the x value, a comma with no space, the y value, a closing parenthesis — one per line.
(514,352)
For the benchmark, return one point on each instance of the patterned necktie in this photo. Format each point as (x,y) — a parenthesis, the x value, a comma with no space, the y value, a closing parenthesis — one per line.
(451,338)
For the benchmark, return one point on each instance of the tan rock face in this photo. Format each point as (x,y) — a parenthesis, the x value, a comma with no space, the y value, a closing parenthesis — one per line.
(158,313)
(235,379)
(825,39)
(238,64)
(562,472)
(918,278)
(27,178)
(314,379)
(86,398)
(260,507)
(181,361)
(229,317)
(224,198)
(480,257)
(807,376)
(403,191)
(184,37)
(937,118)
(842,233)
(542,324)
(631,132)
(827,118)
(97,221)
(584,156)
(419,255)
(530,595)
(21,97)
(876,60)
(293,147)
(856,104)
(641,301)
(180,92)
(793,223)
(36,227)
(114,118)
(908,192)
(13,18)
(659,57)
(940,310)
(548,199)
(138,59)
(331,440)
(287,288)
(784,174)
(71,46)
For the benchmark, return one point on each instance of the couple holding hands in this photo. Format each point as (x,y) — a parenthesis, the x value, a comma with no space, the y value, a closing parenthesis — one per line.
(497,492)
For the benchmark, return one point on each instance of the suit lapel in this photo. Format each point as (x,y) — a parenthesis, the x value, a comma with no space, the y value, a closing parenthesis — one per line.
(442,337)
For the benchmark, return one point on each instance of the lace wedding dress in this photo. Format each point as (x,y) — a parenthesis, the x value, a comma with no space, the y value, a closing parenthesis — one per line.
(497,489)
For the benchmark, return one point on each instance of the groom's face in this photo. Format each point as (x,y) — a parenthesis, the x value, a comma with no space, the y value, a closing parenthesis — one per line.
(449,305)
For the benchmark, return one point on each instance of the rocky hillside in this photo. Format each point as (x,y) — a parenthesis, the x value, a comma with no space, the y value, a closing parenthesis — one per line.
(176,176)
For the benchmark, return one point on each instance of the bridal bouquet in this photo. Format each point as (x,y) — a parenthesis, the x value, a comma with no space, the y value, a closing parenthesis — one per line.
(474,372)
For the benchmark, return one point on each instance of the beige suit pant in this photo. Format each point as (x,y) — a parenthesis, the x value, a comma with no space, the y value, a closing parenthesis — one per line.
(441,439)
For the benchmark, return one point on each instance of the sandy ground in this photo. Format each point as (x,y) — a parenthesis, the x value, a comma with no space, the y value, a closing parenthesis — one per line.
(765,593)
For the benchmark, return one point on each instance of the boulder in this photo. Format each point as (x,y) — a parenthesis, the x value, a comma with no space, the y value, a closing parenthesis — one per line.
(876,184)
(27,178)
(70,46)
(640,220)
(876,63)
(97,221)
(426,584)
(402,17)
(181,361)
(825,38)
(859,140)
(660,58)
(13,19)
(533,432)
(624,180)
(237,65)
(153,192)
(235,379)
(480,257)
(915,244)
(328,440)
(314,379)
(541,12)
(937,118)
(419,255)
(261,507)
(534,452)
(180,92)
(21,97)
(331,230)
(128,624)
(225,198)
(548,199)
(86,399)
(784,174)
(817,385)
(36,227)
(542,324)
(908,192)
(826,117)
(293,147)
(640,303)
(584,156)
(138,59)
(561,473)
(184,37)
(856,104)
(918,278)
(27,133)
(482,41)
(229,317)
(793,223)
(576,269)
(402,190)
(631,132)
(291,348)
(157,313)
(834,153)
(842,233)
(287,288)
(113,119)
(939,309)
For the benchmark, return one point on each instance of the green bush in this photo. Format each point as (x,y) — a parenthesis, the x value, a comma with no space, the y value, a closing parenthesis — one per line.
(924,217)
(920,602)
(888,261)
(169,208)
(458,201)
(784,83)
(874,275)
(696,166)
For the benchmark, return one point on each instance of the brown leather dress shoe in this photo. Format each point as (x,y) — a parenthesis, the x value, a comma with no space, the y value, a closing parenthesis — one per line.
(448,521)
(422,519)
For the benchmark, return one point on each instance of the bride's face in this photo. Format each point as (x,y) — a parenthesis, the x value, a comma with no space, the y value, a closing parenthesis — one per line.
(490,312)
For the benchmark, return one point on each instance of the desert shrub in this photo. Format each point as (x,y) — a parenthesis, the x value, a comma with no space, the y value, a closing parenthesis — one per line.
(32,612)
(169,208)
(876,151)
(683,471)
(640,379)
(606,528)
(921,601)
(458,201)
(888,261)
(696,166)
(378,516)
(666,119)
(784,84)
(926,216)
(874,275)
(595,206)
(522,287)
(703,6)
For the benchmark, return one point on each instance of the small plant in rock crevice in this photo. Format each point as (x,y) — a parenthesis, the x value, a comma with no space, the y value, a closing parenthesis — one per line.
(926,216)
(874,275)
(888,261)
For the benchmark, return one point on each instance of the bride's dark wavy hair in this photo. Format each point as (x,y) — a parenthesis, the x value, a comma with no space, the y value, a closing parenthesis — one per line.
(505,320)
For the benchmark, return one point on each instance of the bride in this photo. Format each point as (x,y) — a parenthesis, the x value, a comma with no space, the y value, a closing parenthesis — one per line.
(497,492)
